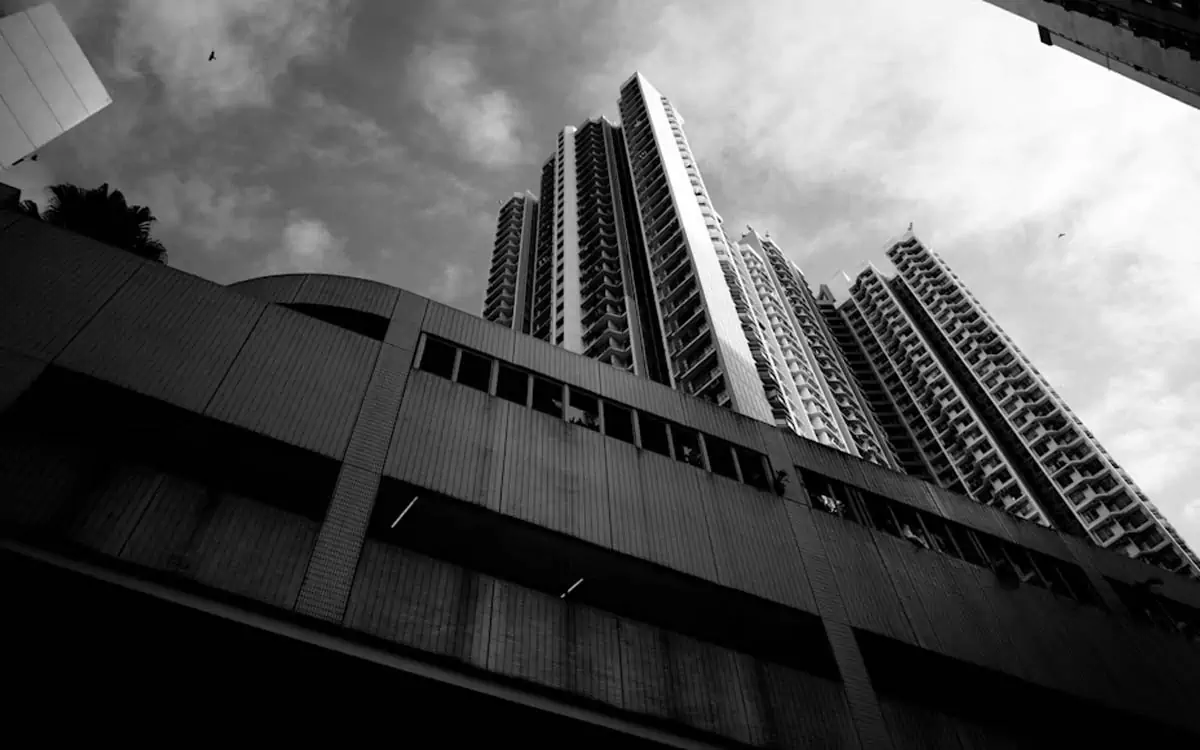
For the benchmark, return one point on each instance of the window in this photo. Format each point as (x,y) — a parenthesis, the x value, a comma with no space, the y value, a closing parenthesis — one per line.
(547,397)
(964,541)
(475,371)
(583,409)
(687,445)
(438,358)
(512,385)
(880,514)
(654,434)
(908,521)
(754,468)
(720,457)
(618,422)
(938,534)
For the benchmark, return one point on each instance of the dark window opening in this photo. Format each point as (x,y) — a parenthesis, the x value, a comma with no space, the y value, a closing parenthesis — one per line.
(512,385)
(687,445)
(910,526)
(754,468)
(880,514)
(475,371)
(721,458)
(547,397)
(654,434)
(583,409)
(438,358)
(618,422)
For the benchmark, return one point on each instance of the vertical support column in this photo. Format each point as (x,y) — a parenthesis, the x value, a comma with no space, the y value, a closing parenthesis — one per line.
(864,705)
(330,573)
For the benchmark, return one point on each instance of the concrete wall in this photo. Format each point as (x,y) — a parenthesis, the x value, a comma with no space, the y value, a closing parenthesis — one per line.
(227,357)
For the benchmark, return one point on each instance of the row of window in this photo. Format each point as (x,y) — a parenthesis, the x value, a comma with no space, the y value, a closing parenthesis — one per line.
(1012,563)
(1167,614)
(588,410)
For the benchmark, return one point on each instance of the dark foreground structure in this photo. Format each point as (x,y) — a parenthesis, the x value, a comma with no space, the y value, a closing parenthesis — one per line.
(310,505)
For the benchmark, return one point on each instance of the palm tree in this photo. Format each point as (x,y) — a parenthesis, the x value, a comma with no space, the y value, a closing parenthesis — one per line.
(106,217)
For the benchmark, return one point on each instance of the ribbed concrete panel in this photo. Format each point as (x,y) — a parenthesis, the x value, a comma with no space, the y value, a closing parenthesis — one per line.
(37,479)
(163,535)
(759,714)
(414,600)
(330,573)
(298,380)
(407,318)
(724,423)
(627,507)
(468,330)
(557,362)
(594,655)
(1033,536)
(864,704)
(166,334)
(816,563)
(641,393)
(277,289)
(52,283)
(528,636)
(555,476)
(915,727)
(644,664)
(107,516)
(862,580)
(17,373)
(1163,665)
(1012,612)
(675,524)
(907,588)
(754,548)
(968,512)
(253,550)
(450,439)
(705,693)
(348,292)
(807,711)
(895,485)
(963,626)
(377,417)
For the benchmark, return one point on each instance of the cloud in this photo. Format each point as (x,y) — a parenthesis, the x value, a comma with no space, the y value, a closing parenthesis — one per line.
(209,210)
(335,135)
(255,41)
(456,279)
(307,246)
(483,120)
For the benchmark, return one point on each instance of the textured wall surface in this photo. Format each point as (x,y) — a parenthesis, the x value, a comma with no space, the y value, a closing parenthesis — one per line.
(275,380)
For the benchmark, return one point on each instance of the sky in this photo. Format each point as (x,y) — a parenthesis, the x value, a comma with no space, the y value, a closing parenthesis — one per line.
(377,138)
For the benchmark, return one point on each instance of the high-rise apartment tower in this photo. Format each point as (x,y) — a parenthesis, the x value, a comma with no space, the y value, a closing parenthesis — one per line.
(983,419)
(631,264)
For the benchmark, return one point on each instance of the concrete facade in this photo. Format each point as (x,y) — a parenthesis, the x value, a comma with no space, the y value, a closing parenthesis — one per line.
(396,483)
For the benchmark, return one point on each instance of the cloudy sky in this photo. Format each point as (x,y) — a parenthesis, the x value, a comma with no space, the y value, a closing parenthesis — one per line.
(375,138)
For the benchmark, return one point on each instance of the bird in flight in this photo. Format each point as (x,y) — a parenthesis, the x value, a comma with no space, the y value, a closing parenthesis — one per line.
(212,55)
(1061,235)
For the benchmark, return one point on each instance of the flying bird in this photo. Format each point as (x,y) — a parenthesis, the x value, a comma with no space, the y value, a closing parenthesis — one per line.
(212,55)
(1061,235)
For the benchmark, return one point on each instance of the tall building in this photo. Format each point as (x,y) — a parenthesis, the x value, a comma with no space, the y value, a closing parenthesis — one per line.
(985,421)
(474,536)
(1154,42)
(47,85)
(821,389)
(509,296)
(632,265)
